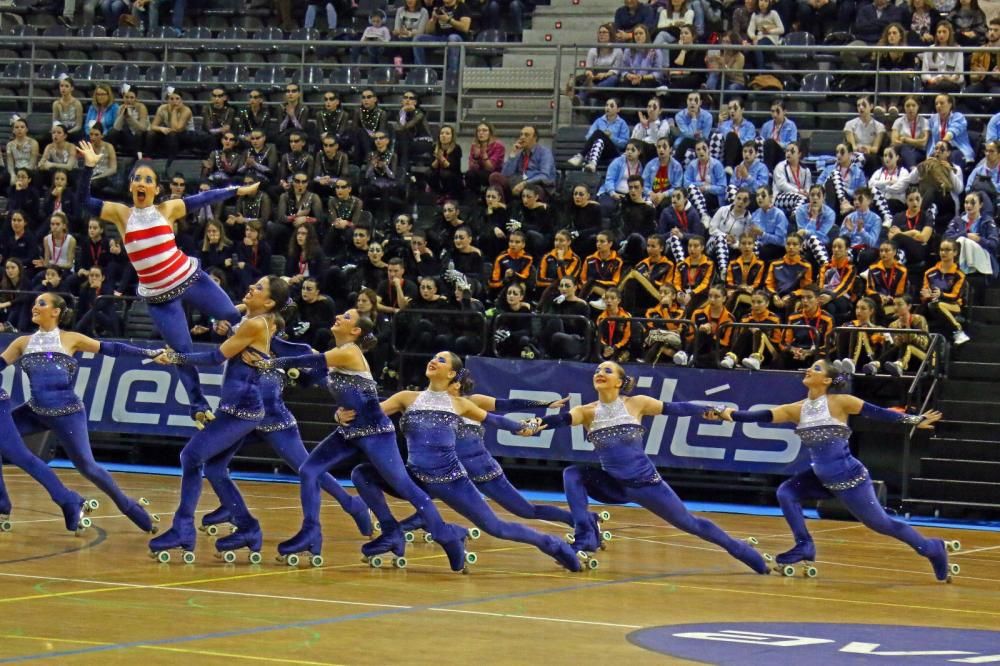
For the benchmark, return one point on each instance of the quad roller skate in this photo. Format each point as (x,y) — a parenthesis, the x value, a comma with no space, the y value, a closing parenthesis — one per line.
(307,543)
(586,541)
(374,553)
(759,562)
(73,513)
(937,553)
(91,505)
(564,555)
(180,536)
(249,537)
(603,536)
(5,508)
(143,520)
(803,555)
(459,559)
(211,521)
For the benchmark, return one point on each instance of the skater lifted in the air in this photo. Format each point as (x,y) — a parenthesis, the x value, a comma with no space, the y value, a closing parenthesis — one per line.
(168,278)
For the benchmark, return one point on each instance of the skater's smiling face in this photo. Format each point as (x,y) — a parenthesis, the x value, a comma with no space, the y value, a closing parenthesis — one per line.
(143,187)
(258,296)
(819,376)
(608,375)
(441,366)
(44,312)
(346,324)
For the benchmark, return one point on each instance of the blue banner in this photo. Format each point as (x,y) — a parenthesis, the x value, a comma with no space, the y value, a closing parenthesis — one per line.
(127,394)
(670,441)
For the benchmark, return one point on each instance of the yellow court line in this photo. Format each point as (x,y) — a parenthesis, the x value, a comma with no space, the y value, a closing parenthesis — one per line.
(163,648)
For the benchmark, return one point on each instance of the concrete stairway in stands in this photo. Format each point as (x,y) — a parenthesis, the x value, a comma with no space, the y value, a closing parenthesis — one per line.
(527,70)
(960,472)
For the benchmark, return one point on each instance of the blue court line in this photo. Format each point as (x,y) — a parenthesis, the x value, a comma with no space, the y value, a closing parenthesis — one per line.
(338,619)
(547,496)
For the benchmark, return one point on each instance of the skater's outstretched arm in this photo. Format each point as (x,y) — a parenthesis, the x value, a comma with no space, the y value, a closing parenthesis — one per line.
(854,406)
(491,404)
(250,331)
(788,413)
(77,342)
(580,415)
(653,407)
(106,210)
(175,209)
(14,351)
(398,402)
(469,410)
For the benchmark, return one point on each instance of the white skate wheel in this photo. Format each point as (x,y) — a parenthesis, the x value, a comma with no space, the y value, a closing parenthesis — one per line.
(5,526)
(768,557)
(606,535)
(954,569)
(292,560)
(155,517)
(570,538)
(428,538)
(375,562)
(400,563)
(316,561)
(377,525)
(86,522)
(953,545)
(188,557)
(471,558)
(143,501)
(605,516)
(409,537)
(229,557)
(163,556)
(255,558)
(212,530)
(592,564)
(752,541)
(810,571)
(788,570)
(475,533)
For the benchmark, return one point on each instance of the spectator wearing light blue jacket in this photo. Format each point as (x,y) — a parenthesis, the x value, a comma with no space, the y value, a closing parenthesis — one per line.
(946,124)
(777,133)
(615,185)
(751,173)
(841,180)
(691,125)
(731,133)
(861,229)
(770,225)
(705,181)
(605,140)
(993,128)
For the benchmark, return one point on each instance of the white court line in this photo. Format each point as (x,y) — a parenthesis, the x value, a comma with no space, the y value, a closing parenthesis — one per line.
(537,618)
(974,550)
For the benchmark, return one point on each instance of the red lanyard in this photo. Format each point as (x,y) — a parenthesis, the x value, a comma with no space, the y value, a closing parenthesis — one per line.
(912,222)
(96,258)
(702,170)
(682,220)
(776,130)
(814,324)
(969,224)
(611,331)
(913,127)
(255,254)
(944,126)
(891,279)
(795,177)
(56,251)
(628,169)
(304,265)
(890,175)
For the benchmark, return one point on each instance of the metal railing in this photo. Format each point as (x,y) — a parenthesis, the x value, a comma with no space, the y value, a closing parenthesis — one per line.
(538,321)
(315,70)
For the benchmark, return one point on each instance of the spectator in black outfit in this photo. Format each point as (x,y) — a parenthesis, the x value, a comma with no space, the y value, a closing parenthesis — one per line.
(512,334)
(371,271)
(395,292)
(15,306)
(295,209)
(21,196)
(629,15)
(445,178)
(253,257)
(316,313)
(97,316)
(19,243)
(421,262)
(567,338)
(583,220)
(305,258)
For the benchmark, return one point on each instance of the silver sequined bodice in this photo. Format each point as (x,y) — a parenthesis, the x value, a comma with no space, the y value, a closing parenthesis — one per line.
(817,425)
(42,342)
(611,414)
(433,401)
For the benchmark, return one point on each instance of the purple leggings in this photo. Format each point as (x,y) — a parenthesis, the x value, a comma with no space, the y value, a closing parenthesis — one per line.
(206,297)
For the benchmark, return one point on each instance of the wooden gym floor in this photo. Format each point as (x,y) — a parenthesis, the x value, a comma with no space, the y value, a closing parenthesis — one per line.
(99,598)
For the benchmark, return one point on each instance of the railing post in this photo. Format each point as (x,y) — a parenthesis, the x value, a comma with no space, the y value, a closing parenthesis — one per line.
(31,81)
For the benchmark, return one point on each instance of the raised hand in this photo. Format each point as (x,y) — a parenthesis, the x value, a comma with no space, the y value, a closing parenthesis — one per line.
(247,190)
(930,418)
(558,404)
(86,151)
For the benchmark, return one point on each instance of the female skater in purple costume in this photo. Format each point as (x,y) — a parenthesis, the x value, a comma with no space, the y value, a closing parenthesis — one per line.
(834,472)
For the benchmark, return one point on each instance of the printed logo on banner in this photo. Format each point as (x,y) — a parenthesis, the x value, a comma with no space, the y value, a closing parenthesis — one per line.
(127,394)
(819,644)
(671,441)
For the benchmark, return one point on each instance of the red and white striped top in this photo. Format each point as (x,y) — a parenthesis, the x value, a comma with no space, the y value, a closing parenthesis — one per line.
(152,249)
